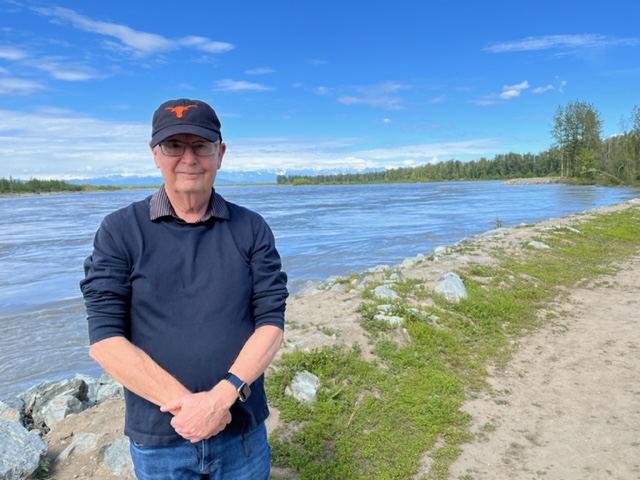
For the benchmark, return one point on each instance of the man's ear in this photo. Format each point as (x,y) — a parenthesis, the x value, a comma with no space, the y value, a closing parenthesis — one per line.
(222,148)
(155,155)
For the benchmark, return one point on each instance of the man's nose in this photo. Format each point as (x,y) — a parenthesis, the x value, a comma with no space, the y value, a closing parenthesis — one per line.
(188,155)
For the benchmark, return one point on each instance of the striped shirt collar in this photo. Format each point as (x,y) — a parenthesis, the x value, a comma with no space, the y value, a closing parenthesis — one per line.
(160,206)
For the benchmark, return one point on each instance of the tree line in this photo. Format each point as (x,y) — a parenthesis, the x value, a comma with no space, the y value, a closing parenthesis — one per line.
(33,185)
(578,153)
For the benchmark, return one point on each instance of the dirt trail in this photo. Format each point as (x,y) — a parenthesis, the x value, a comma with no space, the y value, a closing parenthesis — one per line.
(568,405)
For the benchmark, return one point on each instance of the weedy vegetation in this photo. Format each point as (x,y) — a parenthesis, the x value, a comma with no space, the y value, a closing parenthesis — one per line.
(400,414)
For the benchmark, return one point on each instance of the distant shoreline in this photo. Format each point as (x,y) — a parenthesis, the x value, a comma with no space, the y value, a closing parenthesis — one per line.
(539,181)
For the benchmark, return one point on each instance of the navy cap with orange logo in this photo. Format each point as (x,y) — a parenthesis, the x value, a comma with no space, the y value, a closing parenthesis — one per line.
(184,116)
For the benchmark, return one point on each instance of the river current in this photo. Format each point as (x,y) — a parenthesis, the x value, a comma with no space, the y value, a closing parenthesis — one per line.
(321,231)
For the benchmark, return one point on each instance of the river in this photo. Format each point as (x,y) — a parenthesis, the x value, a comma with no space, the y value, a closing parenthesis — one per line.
(321,231)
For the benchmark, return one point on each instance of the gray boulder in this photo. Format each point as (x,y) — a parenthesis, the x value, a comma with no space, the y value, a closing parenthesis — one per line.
(451,287)
(10,413)
(38,397)
(385,292)
(117,458)
(108,388)
(20,451)
(59,408)
(304,387)
(538,245)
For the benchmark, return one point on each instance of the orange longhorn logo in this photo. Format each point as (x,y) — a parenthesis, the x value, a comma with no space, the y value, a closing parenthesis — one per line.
(180,109)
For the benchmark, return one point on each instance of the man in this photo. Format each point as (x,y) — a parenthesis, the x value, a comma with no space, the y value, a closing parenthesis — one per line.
(185,302)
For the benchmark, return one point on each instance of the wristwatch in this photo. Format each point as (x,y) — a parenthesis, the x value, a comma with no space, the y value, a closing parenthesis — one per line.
(243,389)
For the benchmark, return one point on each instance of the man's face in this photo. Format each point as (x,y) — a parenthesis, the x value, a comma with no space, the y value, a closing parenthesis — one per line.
(188,173)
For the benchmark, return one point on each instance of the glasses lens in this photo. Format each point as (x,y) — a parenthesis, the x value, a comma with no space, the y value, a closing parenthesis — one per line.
(203,148)
(173,148)
(176,148)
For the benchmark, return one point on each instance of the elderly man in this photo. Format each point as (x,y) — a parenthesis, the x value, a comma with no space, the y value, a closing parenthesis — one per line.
(185,302)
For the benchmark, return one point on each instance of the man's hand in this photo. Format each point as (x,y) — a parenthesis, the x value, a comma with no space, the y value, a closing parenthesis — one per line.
(202,415)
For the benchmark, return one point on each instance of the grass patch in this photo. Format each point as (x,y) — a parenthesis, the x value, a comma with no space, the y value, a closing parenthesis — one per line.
(376,419)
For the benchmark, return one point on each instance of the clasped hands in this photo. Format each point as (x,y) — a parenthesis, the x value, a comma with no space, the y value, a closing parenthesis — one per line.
(198,416)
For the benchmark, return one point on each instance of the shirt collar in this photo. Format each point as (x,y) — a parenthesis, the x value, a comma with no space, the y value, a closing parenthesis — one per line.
(160,206)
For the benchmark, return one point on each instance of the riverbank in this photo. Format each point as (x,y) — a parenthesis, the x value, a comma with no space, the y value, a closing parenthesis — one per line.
(568,388)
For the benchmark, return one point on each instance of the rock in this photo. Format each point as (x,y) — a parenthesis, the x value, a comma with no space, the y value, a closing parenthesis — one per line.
(59,408)
(439,251)
(37,397)
(310,288)
(304,387)
(92,388)
(20,451)
(538,245)
(117,458)
(410,262)
(80,442)
(10,413)
(391,319)
(108,388)
(385,292)
(378,269)
(451,287)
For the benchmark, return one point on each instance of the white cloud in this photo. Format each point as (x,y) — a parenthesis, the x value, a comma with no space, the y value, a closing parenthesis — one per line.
(512,91)
(543,89)
(229,85)
(18,86)
(205,44)
(561,42)
(59,143)
(259,71)
(387,121)
(134,40)
(381,95)
(12,53)
(321,90)
(56,143)
(65,71)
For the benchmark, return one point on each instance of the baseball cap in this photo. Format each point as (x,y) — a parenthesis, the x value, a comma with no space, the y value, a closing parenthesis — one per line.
(184,116)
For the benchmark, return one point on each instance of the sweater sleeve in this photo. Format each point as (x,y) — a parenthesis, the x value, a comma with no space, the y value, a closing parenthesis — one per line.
(269,281)
(106,287)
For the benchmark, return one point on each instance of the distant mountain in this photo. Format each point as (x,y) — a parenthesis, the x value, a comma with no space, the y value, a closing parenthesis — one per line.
(237,176)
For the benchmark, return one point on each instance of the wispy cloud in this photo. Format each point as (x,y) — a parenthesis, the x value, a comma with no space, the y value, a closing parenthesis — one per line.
(60,70)
(204,44)
(70,144)
(18,86)
(438,99)
(542,89)
(229,85)
(136,41)
(12,53)
(547,42)
(383,95)
(511,91)
(259,71)
(508,92)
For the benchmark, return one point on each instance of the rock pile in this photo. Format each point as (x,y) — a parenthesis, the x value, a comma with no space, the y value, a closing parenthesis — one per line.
(26,420)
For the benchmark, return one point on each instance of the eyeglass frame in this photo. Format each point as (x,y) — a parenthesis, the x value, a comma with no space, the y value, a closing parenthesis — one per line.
(215,145)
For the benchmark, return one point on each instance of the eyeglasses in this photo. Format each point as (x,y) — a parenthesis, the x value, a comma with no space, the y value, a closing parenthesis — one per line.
(176,148)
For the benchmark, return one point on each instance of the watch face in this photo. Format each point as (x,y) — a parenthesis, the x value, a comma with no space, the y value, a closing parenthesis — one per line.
(244,392)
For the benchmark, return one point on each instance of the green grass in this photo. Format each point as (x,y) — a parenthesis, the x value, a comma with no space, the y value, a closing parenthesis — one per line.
(376,419)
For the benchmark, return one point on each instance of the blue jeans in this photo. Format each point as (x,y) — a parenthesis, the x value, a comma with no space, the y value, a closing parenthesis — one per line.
(224,456)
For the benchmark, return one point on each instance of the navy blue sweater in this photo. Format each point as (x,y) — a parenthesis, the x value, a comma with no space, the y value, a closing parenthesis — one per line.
(189,295)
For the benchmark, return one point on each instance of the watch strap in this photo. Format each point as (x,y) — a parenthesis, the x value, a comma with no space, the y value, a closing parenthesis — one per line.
(241,387)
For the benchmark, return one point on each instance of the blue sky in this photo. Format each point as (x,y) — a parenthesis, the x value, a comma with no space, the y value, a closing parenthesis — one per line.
(306,84)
